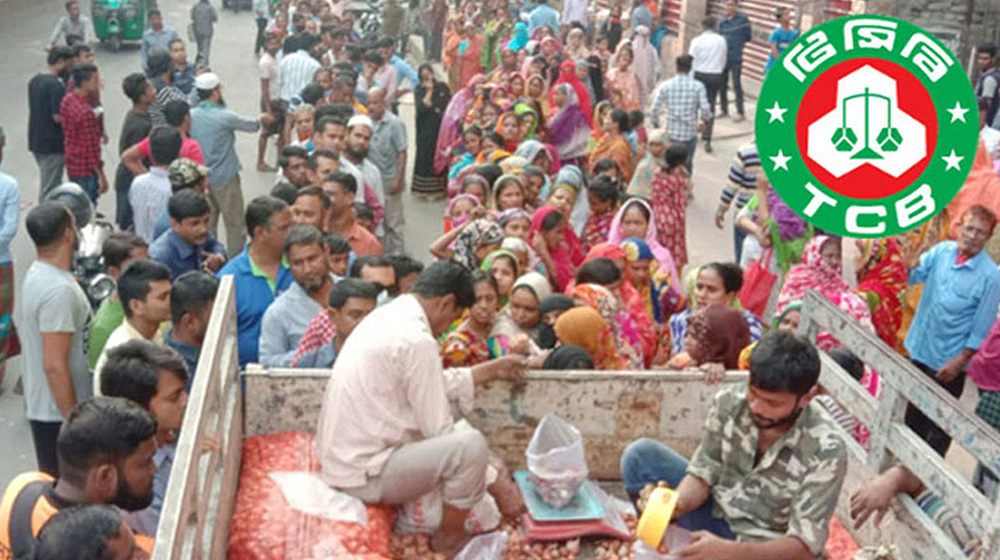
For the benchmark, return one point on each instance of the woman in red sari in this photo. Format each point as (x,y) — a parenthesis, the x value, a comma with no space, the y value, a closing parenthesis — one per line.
(468,50)
(671,188)
(882,280)
(633,302)
(567,75)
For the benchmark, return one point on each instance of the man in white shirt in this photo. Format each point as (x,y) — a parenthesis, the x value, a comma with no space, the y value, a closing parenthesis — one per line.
(354,160)
(144,291)
(298,67)
(386,433)
(151,191)
(709,52)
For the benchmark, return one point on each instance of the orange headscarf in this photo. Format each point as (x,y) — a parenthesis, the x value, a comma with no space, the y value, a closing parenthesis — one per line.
(584,327)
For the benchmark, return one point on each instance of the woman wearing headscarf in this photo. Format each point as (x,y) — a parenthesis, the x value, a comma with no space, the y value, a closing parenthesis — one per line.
(624,331)
(820,270)
(567,75)
(551,309)
(654,284)
(572,177)
(671,191)
(715,335)
(584,327)
(653,160)
(470,343)
(520,38)
(556,244)
(431,97)
(635,219)
(450,135)
(596,71)
(569,132)
(539,155)
(529,120)
(622,80)
(521,317)
(568,357)
(535,88)
(469,49)
(508,66)
(473,241)
(630,298)
(505,268)
(882,282)
(576,45)
(613,145)
(646,65)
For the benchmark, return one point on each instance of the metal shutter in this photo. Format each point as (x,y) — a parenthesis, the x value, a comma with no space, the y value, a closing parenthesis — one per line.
(761,15)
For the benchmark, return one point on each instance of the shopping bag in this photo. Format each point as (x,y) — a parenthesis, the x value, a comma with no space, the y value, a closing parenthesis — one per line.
(758,281)
(556,460)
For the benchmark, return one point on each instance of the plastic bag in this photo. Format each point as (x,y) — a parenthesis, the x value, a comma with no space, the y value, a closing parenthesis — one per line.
(305,492)
(675,539)
(485,547)
(556,460)
(265,527)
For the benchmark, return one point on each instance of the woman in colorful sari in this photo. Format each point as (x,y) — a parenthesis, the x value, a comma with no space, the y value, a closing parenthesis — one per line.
(469,243)
(450,135)
(613,145)
(624,330)
(568,130)
(651,162)
(584,327)
(572,181)
(469,50)
(654,284)
(622,80)
(505,268)
(635,219)
(567,75)
(630,297)
(671,192)
(516,85)
(471,344)
(452,38)
(820,270)
(715,283)
(508,66)
(527,117)
(535,88)
(556,244)
(882,281)
(520,37)
(601,112)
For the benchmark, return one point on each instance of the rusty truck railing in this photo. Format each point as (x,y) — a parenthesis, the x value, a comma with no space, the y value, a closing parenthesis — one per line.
(194,522)
(902,383)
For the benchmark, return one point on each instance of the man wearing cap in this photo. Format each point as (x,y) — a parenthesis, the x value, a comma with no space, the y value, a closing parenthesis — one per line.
(388,153)
(354,160)
(214,127)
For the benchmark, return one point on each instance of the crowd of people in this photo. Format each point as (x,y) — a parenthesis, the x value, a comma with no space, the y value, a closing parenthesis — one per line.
(564,146)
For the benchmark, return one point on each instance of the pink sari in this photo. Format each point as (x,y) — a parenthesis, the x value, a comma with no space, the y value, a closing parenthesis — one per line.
(451,123)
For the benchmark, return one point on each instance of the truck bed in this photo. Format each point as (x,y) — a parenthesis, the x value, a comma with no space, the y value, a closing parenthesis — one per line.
(610,408)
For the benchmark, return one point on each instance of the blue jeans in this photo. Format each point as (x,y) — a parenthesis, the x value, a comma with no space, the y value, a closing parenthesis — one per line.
(648,461)
(89,185)
(738,237)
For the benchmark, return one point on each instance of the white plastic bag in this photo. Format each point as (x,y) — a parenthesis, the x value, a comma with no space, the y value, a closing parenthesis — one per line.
(485,547)
(675,539)
(305,492)
(423,515)
(556,460)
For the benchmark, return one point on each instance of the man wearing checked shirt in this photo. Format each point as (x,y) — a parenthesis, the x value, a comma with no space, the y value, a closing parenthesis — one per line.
(685,100)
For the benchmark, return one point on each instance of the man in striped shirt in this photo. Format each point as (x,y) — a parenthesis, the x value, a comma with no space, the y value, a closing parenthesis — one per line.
(740,186)
(298,67)
(162,75)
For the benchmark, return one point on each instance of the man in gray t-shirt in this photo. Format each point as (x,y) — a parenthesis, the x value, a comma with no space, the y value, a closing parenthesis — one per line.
(388,152)
(52,324)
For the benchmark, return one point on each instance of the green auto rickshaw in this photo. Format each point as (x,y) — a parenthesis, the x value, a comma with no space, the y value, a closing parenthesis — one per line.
(119,20)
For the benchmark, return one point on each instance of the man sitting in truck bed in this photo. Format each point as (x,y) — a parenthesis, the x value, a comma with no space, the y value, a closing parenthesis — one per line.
(768,470)
(386,433)
(105,450)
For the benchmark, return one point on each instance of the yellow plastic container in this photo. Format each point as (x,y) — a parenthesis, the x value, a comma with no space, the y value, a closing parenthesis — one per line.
(655,518)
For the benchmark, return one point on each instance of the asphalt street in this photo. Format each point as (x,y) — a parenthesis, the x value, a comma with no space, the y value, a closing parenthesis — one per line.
(25,26)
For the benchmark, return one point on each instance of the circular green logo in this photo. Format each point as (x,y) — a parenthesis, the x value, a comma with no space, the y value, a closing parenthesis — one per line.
(867,126)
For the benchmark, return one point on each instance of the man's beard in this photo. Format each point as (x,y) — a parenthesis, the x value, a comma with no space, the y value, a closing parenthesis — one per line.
(768,423)
(356,154)
(222,100)
(312,285)
(128,501)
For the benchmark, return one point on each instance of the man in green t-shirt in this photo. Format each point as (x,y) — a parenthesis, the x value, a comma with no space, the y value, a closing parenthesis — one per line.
(120,249)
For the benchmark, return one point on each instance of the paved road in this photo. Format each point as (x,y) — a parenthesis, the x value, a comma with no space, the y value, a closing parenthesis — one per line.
(24,30)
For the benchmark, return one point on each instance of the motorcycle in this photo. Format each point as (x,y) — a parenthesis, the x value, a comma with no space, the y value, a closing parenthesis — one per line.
(119,20)
(367,18)
(88,262)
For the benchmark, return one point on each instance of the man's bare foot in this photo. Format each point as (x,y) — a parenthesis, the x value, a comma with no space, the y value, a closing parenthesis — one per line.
(508,496)
(265,168)
(449,543)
